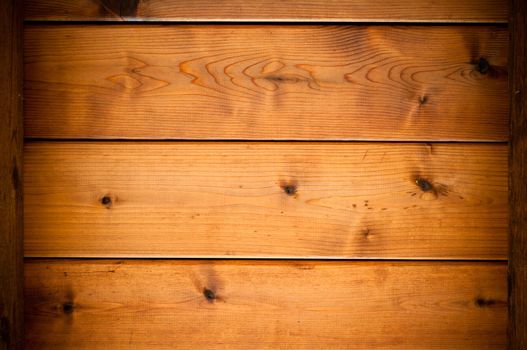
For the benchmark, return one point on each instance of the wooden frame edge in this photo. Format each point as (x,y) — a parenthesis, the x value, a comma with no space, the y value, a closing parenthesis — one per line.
(11,148)
(517,331)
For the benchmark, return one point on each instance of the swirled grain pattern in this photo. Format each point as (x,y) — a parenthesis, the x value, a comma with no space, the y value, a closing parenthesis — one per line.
(266,82)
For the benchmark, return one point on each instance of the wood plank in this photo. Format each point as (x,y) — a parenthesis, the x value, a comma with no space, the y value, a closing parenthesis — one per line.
(471,11)
(360,200)
(265,305)
(266,82)
(11,140)
(518,180)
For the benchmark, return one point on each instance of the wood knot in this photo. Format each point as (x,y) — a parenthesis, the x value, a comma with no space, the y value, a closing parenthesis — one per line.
(289,187)
(68,307)
(107,201)
(290,190)
(482,65)
(209,295)
(482,302)
(424,184)
(429,191)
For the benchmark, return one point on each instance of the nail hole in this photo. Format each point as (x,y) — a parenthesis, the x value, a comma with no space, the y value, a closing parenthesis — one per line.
(209,294)
(423,100)
(68,307)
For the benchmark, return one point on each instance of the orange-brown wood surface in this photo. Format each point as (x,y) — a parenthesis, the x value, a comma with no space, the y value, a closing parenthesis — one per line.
(221,199)
(266,82)
(270,10)
(265,305)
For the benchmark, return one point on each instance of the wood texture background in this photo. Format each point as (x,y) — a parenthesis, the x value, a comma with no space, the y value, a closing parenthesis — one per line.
(472,11)
(266,82)
(11,140)
(265,305)
(518,180)
(88,197)
(370,200)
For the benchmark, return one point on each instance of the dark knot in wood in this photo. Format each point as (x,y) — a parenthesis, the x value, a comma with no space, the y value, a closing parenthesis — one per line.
(482,302)
(290,190)
(482,65)
(68,307)
(209,295)
(424,185)
(107,201)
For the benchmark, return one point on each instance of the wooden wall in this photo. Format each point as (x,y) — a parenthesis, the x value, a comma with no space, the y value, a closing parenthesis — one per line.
(270,175)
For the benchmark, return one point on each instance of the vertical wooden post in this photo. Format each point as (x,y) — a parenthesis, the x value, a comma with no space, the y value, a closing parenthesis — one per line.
(518,177)
(11,140)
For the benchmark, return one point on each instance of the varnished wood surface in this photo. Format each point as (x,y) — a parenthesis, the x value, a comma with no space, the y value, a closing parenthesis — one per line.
(11,140)
(265,305)
(518,180)
(449,11)
(364,200)
(277,82)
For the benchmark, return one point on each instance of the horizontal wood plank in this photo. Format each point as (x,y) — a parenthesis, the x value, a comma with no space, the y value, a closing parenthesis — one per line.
(265,305)
(214,199)
(266,82)
(269,10)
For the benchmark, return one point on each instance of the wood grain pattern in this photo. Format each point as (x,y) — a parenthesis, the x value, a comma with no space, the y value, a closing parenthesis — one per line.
(265,305)
(266,82)
(368,200)
(518,180)
(471,11)
(11,140)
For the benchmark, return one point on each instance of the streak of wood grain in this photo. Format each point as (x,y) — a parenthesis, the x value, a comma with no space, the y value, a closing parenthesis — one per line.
(266,82)
(265,305)
(367,200)
(472,11)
